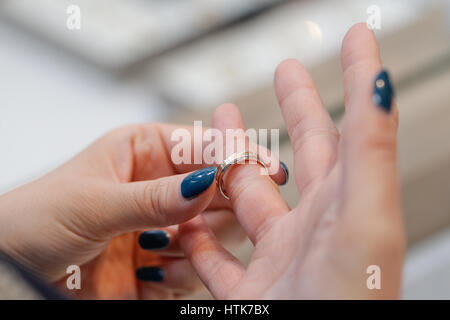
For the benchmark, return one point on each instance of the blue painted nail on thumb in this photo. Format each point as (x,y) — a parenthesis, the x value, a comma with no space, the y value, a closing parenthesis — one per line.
(383,91)
(197,182)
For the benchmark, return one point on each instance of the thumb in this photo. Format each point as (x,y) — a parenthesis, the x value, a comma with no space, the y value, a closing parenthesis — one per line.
(157,203)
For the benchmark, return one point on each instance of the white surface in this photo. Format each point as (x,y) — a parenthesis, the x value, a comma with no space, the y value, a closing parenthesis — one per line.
(242,59)
(427,269)
(117,32)
(51,106)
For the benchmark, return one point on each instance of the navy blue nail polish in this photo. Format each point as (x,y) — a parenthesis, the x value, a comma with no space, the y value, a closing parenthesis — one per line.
(151,274)
(197,182)
(154,239)
(286,172)
(383,91)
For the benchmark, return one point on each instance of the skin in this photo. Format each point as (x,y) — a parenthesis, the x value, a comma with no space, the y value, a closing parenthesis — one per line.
(90,211)
(349,215)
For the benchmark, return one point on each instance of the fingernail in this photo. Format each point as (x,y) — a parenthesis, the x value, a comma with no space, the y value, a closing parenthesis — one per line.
(154,239)
(150,274)
(286,172)
(197,182)
(383,91)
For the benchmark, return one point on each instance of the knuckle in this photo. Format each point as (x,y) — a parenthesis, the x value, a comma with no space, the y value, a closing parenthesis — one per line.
(388,245)
(385,241)
(127,129)
(137,132)
(302,135)
(157,198)
(378,142)
(379,139)
(150,200)
(241,180)
(143,135)
(139,200)
(382,149)
(374,237)
(304,94)
(139,137)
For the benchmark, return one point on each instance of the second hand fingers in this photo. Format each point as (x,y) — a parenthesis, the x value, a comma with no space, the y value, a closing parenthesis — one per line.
(175,275)
(165,241)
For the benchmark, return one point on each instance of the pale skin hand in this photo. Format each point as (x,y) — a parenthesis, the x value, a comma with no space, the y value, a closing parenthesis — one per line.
(348,216)
(90,212)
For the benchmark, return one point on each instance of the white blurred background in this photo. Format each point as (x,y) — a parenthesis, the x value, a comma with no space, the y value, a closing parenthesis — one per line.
(174,61)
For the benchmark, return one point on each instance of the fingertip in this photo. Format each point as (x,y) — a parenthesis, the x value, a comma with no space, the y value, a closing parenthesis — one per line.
(383,91)
(356,33)
(357,29)
(227,115)
(357,43)
(289,75)
(226,108)
(285,66)
(197,182)
(150,274)
(154,240)
(285,169)
(172,200)
(277,170)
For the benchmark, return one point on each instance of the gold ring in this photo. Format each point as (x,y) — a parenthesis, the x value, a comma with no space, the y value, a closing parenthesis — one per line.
(235,158)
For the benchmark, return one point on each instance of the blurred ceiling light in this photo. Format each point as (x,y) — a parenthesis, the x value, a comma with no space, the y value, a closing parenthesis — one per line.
(314,30)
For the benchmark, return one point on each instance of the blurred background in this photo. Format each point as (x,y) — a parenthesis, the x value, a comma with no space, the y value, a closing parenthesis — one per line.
(175,61)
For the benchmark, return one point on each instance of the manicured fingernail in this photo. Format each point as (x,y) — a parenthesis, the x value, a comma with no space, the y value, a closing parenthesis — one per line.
(197,182)
(286,172)
(154,239)
(150,274)
(383,91)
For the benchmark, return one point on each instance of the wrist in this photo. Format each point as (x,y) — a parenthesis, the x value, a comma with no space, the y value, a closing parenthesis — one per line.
(24,226)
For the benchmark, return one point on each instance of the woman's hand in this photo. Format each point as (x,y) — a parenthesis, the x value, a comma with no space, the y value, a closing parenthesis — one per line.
(348,217)
(91,212)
